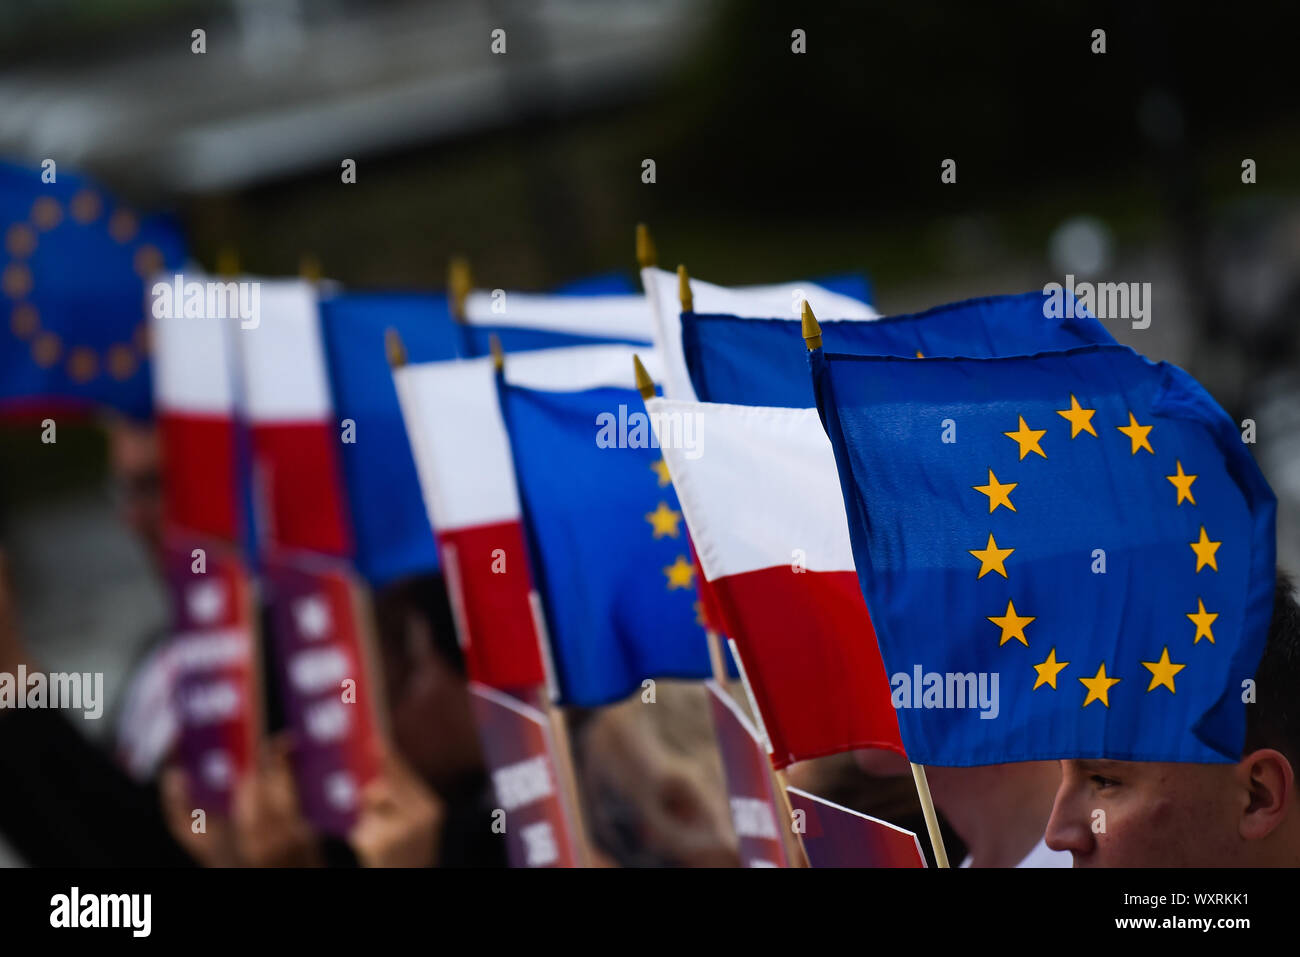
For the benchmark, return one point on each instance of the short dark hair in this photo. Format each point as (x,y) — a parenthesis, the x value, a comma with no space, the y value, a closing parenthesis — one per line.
(1273,719)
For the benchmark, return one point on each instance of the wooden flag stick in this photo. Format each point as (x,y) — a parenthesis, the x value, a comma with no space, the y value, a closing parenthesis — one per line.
(716,658)
(459,283)
(228,262)
(931,818)
(646,254)
(684,290)
(309,268)
(394,348)
(568,782)
(644,384)
(793,841)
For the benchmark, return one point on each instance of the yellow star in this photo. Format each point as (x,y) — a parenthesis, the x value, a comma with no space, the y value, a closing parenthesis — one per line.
(1137,434)
(681,573)
(991,558)
(1205,550)
(661,469)
(1048,670)
(1012,625)
(1183,483)
(1162,672)
(918,354)
(664,520)
(998,493)
(1027,439)
(1098,687)
(1080,419)
(1203,619)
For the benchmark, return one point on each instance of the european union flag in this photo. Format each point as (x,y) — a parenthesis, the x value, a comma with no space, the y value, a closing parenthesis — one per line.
(73,273)
(1065,555)
(761,361)
(610,553)
(391,526)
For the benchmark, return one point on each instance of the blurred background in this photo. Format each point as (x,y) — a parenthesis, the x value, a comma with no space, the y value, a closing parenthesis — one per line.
(1124,166)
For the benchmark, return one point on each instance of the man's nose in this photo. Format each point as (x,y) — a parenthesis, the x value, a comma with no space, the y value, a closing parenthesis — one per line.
(1068,829)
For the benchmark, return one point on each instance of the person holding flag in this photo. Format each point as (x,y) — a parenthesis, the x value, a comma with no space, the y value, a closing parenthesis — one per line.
(1082,534)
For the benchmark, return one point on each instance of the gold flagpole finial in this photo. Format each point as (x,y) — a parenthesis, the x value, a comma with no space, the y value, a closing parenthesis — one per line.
(309,267)
(395,348)
(646,254)
(228,262)
(498,354)
(812,332)
(459,284)
(684,290)
(644,384)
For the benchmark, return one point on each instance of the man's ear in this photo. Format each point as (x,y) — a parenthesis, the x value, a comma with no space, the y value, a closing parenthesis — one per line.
(1269,782)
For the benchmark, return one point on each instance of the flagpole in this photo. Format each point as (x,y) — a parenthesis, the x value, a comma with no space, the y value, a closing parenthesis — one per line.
(228,262)
(931,818)
(309,268)
(646,254)
(779,781)
(812,336)
(459,283)
(645,386)
(684,290)
(647,257)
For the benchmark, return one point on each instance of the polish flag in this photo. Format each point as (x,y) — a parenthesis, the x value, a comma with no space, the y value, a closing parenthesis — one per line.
(762,501)
(780,300)
(285,387)
(467,475)
(194,389)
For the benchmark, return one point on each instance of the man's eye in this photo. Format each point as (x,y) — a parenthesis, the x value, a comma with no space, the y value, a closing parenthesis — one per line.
(1103,782)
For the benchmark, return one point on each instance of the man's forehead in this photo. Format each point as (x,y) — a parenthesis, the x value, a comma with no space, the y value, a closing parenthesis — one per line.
(1102,765)
(1154,770)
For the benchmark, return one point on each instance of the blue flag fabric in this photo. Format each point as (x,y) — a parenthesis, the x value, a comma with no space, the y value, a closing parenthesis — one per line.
(1081,533)
(73,271)
(602,284)
(389,520)
(762,361)
(852,284)
(610,553)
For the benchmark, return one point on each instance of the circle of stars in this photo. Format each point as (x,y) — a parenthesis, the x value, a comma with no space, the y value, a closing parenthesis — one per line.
(82,363)
(1012,623)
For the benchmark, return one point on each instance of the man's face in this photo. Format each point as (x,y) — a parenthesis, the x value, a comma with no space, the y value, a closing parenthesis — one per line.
(1139,814)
